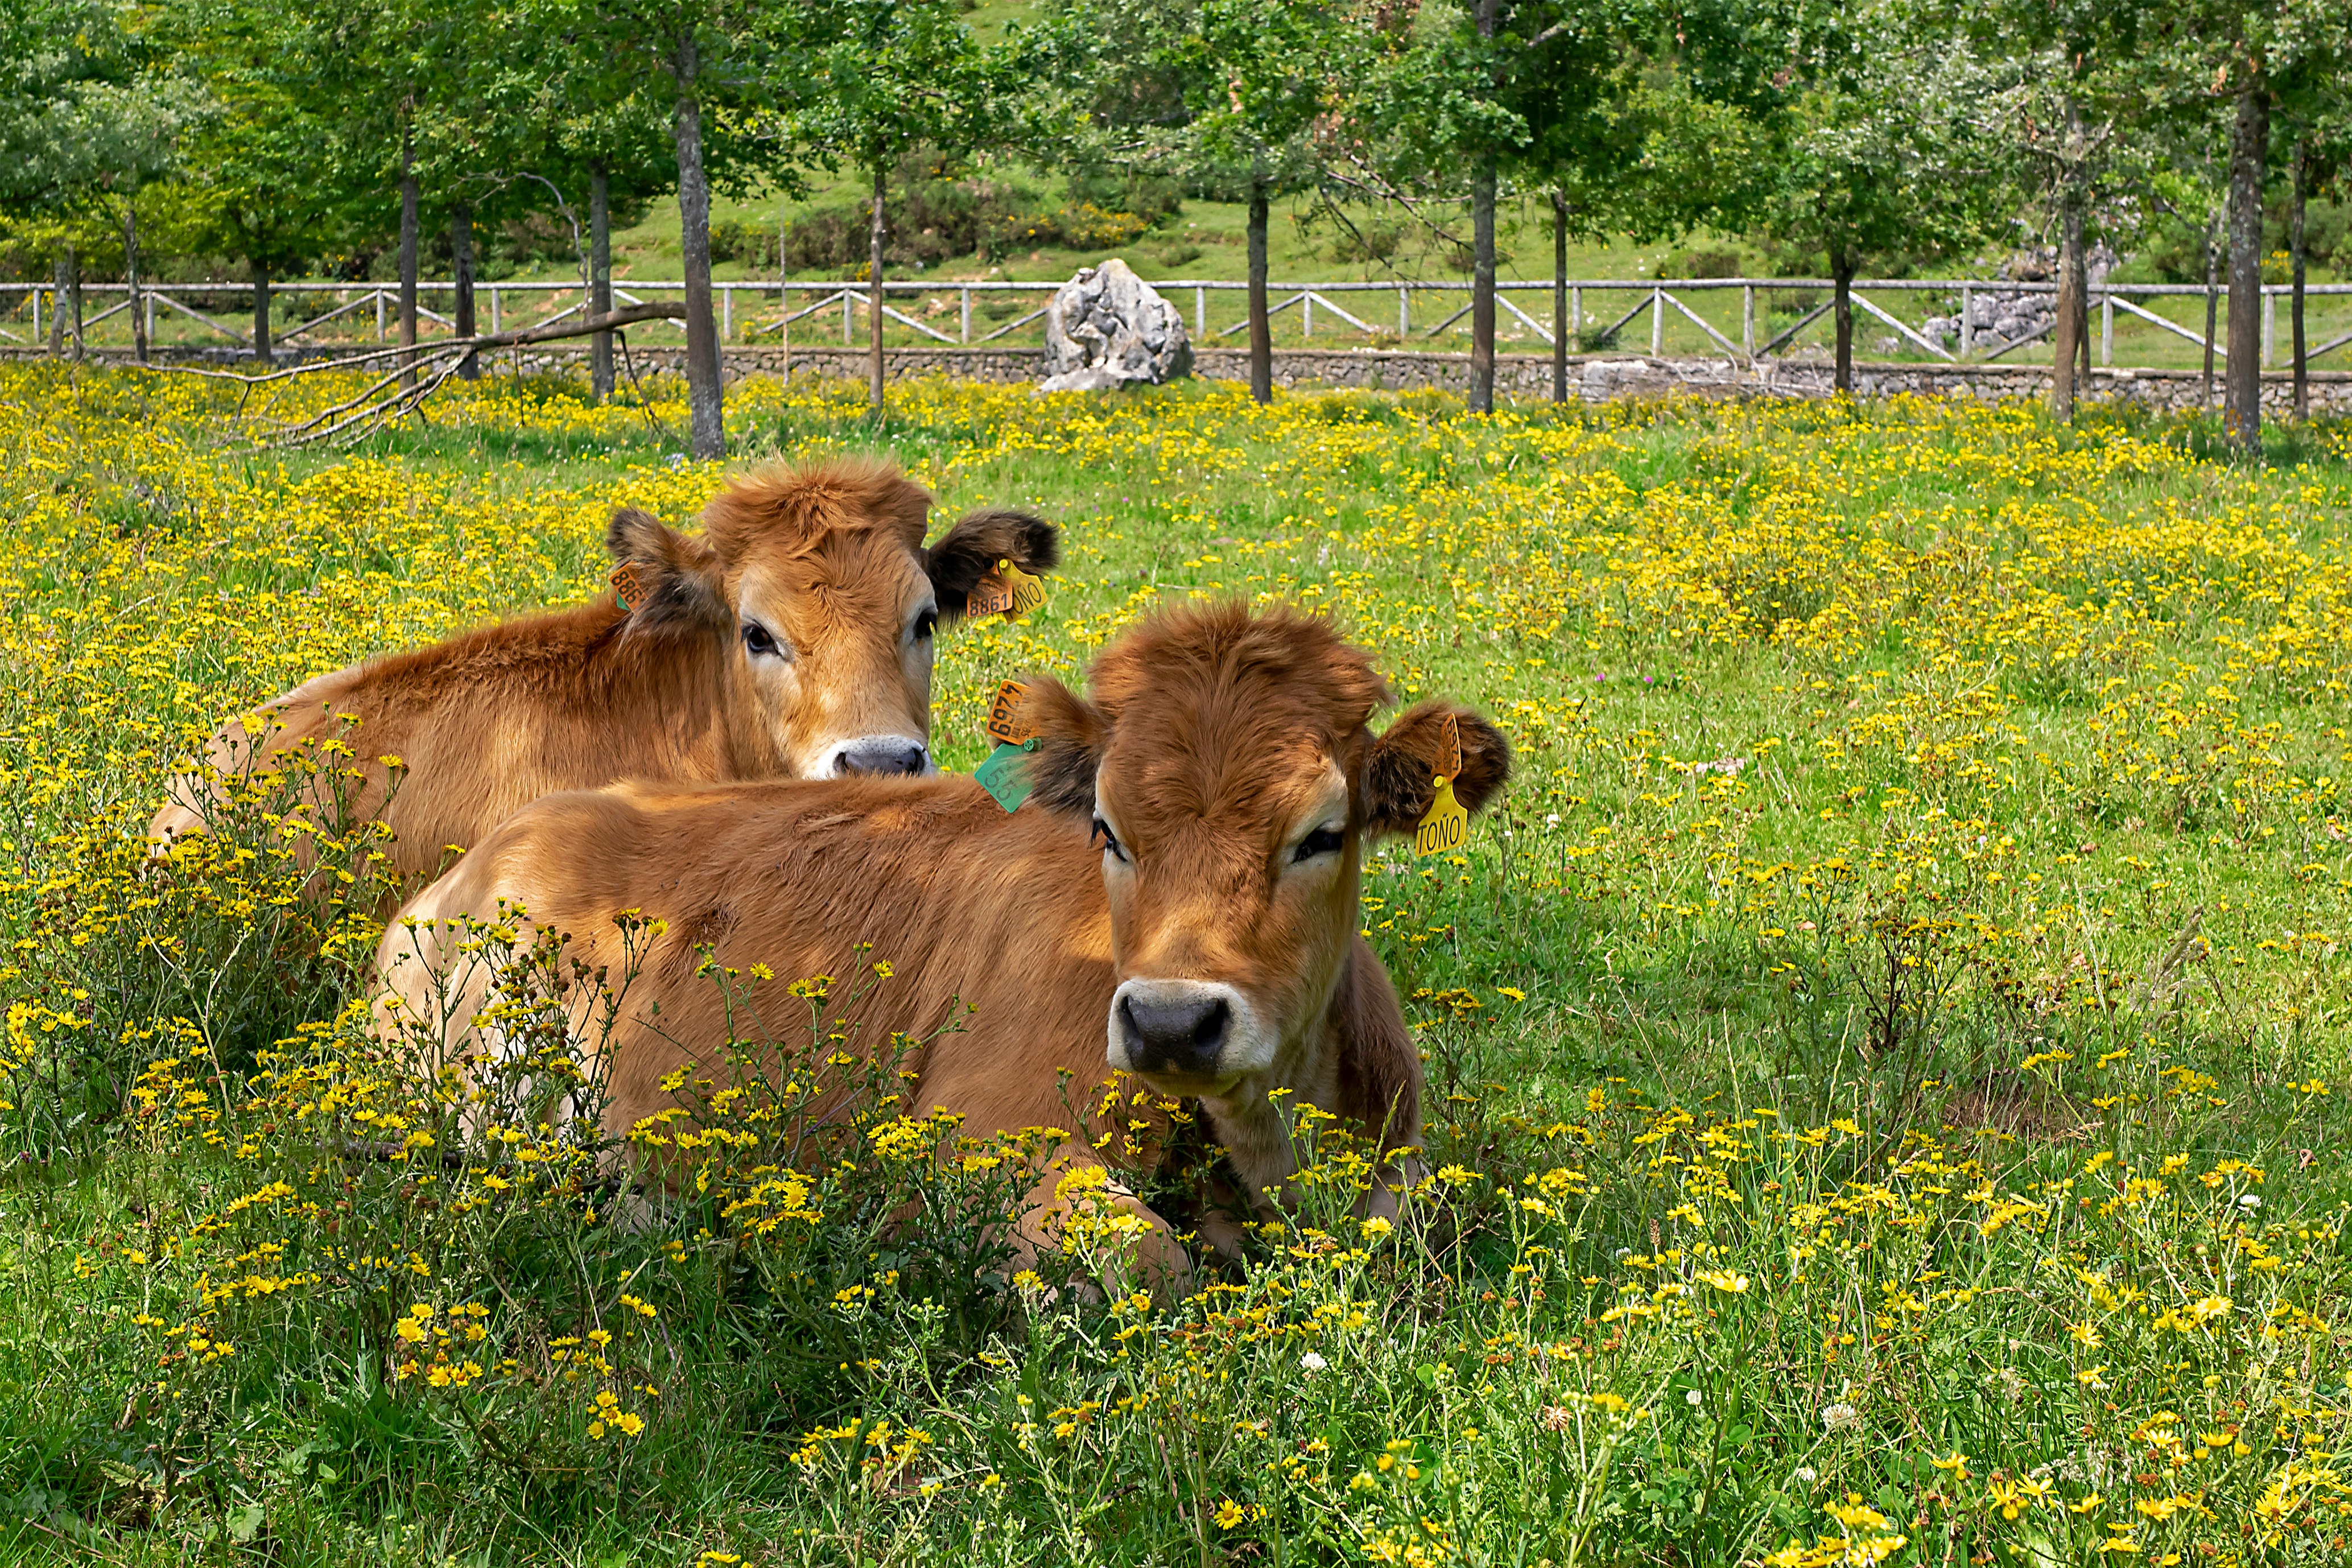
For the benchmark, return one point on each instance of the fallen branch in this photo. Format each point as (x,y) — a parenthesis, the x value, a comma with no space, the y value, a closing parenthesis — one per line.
(627,315)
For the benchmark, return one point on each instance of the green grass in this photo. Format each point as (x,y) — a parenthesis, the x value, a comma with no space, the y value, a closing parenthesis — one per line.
(2018,848)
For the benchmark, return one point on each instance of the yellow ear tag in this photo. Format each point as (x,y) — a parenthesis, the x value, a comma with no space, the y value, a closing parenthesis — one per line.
(1007,591)
(1006,775)
(1446,824)
(627,589)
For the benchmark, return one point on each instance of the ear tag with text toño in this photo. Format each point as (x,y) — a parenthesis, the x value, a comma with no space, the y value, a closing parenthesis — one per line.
(1008,590)
(627,589)
(1006,775)
(1447,823)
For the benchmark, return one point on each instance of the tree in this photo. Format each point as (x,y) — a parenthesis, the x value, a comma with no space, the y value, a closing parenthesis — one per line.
(1874,155)
(98,116)
(896,75)
(598,131)
(249,163)
(2070,92)
(719,64)
(1227,95)
(1443,111)
(2253,55)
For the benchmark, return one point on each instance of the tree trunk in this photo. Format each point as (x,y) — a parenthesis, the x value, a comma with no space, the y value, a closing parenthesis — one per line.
(408,255)
(1842,269)
(63,268)
(2296,253)
(2242,402)
(785,294)
(705,410)
(2212,299)
(261,350)
(461,267)
(1481,288)
(1260,331)
(600,279)
(874,298)
(1559,296)
(131,279)
(1482,253)
(73,298)
(2073,301)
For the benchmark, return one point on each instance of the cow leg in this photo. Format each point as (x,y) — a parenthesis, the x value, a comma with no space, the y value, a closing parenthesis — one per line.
(1077,1207)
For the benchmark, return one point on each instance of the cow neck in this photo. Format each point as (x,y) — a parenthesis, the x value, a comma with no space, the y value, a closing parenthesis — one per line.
(671,688)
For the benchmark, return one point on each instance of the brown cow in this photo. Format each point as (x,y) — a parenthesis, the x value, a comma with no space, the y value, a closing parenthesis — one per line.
(792,637)
(1186,874)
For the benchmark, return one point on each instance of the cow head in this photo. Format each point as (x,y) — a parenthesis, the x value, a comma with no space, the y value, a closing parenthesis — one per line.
(818,587)
(1224,763)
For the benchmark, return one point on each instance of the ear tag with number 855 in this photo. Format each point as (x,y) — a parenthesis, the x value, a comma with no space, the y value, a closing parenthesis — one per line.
(1006,775)
(1447,823)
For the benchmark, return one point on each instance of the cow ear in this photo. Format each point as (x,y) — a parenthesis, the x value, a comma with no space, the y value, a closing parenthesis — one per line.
(664,578)
(1398,777)
(1071,734)
(978,540)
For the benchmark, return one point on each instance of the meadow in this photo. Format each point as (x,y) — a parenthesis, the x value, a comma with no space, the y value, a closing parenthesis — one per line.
(1887,1051)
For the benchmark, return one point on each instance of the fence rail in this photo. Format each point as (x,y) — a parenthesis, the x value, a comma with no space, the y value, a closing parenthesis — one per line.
(1656,296)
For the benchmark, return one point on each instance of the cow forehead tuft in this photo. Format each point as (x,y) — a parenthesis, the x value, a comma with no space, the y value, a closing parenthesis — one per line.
(1211,671)
(789,512)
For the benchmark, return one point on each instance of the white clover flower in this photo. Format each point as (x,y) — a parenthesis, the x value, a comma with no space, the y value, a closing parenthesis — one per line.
(1312,1363)
(1841,1418)
(2249,1201)
(1694,1398)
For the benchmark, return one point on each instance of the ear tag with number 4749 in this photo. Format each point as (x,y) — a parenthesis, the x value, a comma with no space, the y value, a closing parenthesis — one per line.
(1006,589)
(1447,823)
(1006,775)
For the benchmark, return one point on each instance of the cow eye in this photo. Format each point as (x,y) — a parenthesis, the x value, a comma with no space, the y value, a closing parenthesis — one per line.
(925,624)
(759,642)
(1109,840)
(1322,841)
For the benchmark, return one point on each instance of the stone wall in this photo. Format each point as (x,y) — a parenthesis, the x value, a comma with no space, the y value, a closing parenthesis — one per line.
(1592,378)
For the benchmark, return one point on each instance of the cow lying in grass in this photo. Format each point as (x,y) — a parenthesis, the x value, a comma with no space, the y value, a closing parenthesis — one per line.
(791,637)
(1185,880)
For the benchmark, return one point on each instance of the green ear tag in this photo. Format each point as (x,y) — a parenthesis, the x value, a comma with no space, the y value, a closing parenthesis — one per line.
(1006,775)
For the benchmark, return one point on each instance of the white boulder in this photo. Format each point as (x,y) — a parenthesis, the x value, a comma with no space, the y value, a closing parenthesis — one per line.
(1107,327)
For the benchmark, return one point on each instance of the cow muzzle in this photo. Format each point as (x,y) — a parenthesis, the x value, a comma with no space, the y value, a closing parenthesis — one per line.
(879,755)
(1176,1029)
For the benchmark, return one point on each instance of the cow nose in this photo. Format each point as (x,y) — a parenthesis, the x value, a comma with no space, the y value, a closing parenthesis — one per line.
(1181,1035)
(881,754)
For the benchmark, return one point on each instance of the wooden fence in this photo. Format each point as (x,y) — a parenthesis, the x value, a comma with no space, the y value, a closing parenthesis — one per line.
(770,305)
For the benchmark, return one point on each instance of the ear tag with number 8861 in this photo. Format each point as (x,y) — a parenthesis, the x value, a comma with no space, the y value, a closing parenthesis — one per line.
(1447,823)
(1006,589)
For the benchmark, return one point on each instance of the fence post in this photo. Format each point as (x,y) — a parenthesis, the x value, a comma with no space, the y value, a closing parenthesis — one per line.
(1404,311)
(379,315)
(1968,321)
(1306,315)
(1657,321)
(2107,331)
(727,312)
(1747,320)
(497,317)
(845,317)
(36,315)
(1575,312)
(967,315)
(2269,315)
(150,309)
